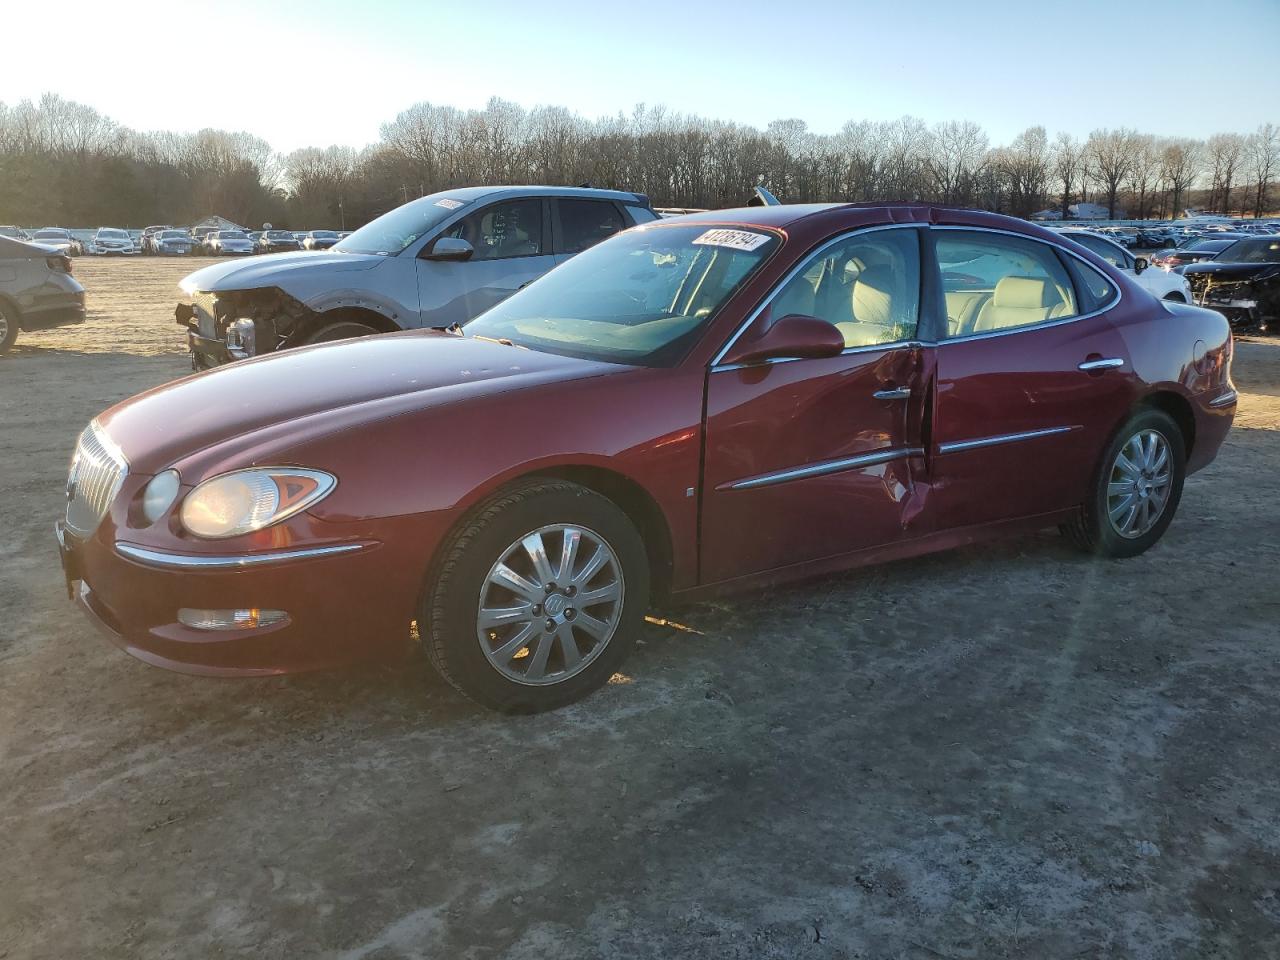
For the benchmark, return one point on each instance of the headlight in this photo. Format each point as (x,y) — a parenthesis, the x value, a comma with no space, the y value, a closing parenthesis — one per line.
(159,495)
(249,500)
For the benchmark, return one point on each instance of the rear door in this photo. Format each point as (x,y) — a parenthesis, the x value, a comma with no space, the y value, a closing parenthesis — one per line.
(512,244)
(1032,377)
(812,458)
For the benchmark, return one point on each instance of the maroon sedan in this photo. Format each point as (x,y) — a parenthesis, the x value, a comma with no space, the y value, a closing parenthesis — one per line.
(714,401)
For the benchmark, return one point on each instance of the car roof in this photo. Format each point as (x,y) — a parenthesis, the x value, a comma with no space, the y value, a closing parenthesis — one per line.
(500,192)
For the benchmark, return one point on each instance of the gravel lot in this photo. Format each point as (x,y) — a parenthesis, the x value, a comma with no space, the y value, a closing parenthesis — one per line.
(1003,751)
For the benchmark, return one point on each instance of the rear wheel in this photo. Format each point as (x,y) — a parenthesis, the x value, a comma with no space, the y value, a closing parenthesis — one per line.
(342,330)
(1137,490)
(8,326)
(538,599)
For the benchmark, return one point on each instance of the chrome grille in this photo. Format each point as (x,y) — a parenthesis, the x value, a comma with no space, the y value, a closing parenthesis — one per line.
(206,315)
(97,471)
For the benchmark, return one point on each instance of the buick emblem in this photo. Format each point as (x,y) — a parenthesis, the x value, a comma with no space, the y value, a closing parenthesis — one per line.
(556,604)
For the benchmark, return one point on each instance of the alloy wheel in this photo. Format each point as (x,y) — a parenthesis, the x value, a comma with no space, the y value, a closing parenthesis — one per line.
(1140,482)
(550,605)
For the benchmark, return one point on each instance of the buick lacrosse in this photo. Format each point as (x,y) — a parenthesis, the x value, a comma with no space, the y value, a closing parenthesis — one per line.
(703,403)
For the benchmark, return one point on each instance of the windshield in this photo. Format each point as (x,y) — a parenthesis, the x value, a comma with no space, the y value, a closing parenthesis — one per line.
(1209,245)
(10,232)
(1261,250)
(112,234)
(324,234)
(279,235)
(394,231)
(51,234)
(641,297)
(232,235)
(172,235)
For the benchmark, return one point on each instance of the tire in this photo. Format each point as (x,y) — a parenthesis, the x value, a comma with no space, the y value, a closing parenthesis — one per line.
(342,330)
(470,656)
(1094,529)
(8,326)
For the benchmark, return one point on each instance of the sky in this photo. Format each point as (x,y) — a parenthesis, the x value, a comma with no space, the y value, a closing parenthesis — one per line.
(332,71)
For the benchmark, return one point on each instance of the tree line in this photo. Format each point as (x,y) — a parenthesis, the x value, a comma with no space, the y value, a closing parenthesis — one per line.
(65,163)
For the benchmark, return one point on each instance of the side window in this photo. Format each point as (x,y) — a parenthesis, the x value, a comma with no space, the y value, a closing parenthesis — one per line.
(1094,287)
(996,281)
(512,229)
(641,214)
(1105,250)
(584,223)
(867,285)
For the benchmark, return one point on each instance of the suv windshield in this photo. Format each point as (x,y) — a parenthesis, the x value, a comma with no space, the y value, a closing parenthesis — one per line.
(112,234)
(232,235)
(395,230)
(641,297)
(1262,250)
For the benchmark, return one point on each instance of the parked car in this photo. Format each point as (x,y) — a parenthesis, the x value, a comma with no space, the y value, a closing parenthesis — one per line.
(37,290)
(433,262)
(300,236)
(224,243)
(1242,282)
(277,241)
(58,240)
(1159,283)
(320,240)
(111,241)
(148,233)
(171,243)
(724,400)
(202,236)
(255,236)
(14,233)
(1195,250)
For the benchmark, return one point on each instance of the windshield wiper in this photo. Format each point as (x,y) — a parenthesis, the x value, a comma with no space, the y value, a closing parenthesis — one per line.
(502,340)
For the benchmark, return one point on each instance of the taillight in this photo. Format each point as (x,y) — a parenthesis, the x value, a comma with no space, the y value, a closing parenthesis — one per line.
(58,264)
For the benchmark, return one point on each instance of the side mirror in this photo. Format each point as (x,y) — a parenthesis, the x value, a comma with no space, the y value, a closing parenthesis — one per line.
(1140,264)
(792,336)
(449,248)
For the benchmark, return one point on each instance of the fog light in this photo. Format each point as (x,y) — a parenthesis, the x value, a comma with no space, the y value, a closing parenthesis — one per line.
(249,619)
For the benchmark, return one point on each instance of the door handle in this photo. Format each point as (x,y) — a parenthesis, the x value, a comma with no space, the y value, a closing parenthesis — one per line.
(1104,363)
(894,393)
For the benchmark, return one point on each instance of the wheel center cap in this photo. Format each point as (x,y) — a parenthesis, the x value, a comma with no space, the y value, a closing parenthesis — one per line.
(556,604)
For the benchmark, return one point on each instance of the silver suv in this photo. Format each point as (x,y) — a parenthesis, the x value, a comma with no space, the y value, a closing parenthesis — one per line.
(434,262)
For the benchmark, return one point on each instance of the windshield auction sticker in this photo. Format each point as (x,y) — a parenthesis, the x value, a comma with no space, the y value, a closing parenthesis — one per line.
(734,239)
(449,204)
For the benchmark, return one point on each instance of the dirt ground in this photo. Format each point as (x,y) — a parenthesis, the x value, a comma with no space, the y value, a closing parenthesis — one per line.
(1003,751)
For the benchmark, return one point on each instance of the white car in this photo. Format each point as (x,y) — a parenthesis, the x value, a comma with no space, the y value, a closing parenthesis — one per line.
(1159,283)
(59,240)
(226,242)
(109,240)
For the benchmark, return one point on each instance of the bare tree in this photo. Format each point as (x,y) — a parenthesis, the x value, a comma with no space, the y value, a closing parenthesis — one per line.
(1111,156)
(1225,152)
(1068,166)
(1263,151)
(1180,162)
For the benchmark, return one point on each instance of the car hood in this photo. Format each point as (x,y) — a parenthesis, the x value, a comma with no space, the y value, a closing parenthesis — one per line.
(1230,271)
(253,410)
(270,271)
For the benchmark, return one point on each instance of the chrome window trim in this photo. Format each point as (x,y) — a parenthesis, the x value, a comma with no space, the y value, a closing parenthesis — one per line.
(955,446)
(823,468)
(1110,305)
(790,274)
(1228,398)
(222,561)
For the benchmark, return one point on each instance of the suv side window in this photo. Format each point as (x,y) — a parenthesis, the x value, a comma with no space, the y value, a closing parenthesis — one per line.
(584,223)
(868,285)
(504,230)
(996,281)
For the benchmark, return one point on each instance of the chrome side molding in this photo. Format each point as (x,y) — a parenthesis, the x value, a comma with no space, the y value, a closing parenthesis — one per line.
(824,467)
(222,561)
(957,445)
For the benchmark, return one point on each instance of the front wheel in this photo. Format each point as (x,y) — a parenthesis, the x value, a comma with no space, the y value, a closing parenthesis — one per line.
(8,326)
(538,598)
(1137,489)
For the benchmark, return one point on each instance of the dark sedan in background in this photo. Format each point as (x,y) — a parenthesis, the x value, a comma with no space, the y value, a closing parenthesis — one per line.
(1203,248)
(277,241)
(719,401)
(37,290)
(1242,282)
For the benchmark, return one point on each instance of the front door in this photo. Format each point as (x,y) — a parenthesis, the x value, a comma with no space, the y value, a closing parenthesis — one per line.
(511,243)
(813,458)
(1031,374)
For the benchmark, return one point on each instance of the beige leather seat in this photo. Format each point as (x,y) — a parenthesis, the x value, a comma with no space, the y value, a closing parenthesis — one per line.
(872,305)
(1018,301)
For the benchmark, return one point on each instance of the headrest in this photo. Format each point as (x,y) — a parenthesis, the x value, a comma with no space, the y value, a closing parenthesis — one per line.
(873,295)
(1025,293)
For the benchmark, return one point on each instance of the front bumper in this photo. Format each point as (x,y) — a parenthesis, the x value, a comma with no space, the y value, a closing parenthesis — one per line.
(343,607)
